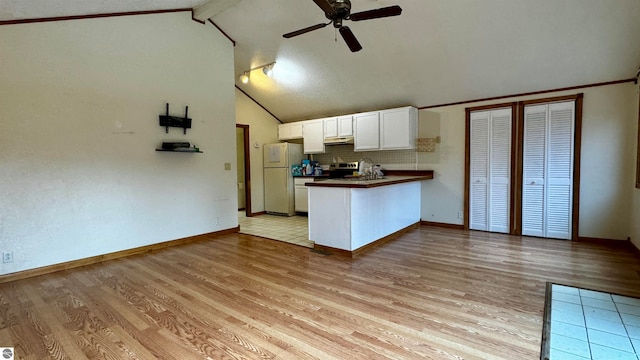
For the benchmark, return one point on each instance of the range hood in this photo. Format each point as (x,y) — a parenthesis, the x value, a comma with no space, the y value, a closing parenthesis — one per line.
(338,140)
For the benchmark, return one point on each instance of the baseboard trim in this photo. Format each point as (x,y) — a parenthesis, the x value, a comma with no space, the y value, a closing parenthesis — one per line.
(442,225)
(257,213)
(360,250)
(111,256)
(595,240)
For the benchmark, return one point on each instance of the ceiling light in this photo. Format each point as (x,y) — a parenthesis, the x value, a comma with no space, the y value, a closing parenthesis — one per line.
(244,78)
(267,69)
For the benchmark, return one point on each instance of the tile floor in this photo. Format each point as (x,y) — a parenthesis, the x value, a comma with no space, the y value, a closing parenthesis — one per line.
(588,324)
(291,229)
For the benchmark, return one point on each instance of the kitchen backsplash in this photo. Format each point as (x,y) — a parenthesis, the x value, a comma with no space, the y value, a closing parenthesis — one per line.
(389,159)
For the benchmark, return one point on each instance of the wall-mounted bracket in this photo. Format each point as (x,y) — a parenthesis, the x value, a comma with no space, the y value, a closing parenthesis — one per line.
(174,121)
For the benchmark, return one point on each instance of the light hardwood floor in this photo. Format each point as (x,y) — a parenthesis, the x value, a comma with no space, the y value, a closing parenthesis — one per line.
(431,294)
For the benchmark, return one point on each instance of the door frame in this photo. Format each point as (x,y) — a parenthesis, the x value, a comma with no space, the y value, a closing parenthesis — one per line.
(247,169)
(577,141)
(467,160)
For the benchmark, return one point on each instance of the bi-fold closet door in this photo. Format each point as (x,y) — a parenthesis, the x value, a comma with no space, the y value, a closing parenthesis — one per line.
(548,163)
(490,170)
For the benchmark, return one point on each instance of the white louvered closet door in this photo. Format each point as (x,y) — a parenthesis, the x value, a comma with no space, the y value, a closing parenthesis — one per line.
(547,190)
(500,171)
(490,165)
(479,171)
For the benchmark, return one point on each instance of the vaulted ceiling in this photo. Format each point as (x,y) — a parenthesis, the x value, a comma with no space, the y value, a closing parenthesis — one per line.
(436,52)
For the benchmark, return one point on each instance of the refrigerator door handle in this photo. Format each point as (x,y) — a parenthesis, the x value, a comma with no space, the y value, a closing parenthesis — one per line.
(286,181)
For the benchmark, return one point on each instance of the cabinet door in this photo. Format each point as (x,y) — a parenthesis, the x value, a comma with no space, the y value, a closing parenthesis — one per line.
(284,131)
(295,130)
(313,136)
(290,131)
(345,125)
(366,131)
(330,127)
(398,128)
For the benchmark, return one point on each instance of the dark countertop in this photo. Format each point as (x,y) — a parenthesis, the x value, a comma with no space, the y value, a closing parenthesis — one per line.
(387,180)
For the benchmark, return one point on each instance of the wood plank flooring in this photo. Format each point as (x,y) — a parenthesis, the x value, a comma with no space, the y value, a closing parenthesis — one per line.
(431,294)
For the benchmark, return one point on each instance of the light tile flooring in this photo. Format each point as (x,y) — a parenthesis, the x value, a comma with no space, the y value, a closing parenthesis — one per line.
(588,324)
(291,229)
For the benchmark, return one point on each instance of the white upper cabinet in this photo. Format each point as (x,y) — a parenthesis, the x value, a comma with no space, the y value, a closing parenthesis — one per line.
(330,127)
(345,125)
(340,126)
(313,136)
(398,128)
(290,131)
(366,131)
(393,129)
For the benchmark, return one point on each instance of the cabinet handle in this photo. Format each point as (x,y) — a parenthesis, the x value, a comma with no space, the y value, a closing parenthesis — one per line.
(533,183)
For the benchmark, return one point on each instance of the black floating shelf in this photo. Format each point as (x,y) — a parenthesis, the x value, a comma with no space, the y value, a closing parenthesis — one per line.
(181,151)
(175,121)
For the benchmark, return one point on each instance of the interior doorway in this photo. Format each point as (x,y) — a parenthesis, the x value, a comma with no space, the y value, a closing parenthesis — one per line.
(243,167)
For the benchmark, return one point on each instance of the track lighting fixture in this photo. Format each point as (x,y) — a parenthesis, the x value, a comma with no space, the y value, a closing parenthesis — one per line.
(267,69)
(244,78)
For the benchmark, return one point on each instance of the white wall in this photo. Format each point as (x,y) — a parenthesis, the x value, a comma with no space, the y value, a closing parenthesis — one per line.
(79,106)
(607,160)
(263,129)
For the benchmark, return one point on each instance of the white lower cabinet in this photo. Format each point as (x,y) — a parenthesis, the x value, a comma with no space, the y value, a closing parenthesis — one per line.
(301,195)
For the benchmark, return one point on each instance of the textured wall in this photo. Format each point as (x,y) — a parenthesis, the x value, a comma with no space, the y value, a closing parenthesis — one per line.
(79,106)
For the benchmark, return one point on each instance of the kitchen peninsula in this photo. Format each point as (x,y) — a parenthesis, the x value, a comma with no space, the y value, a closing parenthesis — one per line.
(352,215)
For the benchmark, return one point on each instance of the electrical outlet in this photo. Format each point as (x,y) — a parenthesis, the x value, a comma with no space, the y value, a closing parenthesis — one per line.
(227,166)
(7,256)
(460,215)
(217,221)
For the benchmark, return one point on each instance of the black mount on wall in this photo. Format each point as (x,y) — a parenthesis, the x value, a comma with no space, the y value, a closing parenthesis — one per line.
(174,121)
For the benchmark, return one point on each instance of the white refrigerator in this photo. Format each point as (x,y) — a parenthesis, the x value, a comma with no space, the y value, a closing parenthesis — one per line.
(278,182)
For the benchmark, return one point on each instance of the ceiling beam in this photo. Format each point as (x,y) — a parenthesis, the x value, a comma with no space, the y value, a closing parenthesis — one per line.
(212,8)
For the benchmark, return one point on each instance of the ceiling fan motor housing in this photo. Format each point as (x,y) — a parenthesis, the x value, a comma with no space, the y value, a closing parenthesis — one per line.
(342,11)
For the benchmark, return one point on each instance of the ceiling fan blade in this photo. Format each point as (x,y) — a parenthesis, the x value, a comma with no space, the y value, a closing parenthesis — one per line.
(325,6)
(305,30)
(376,13)
(350,39)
